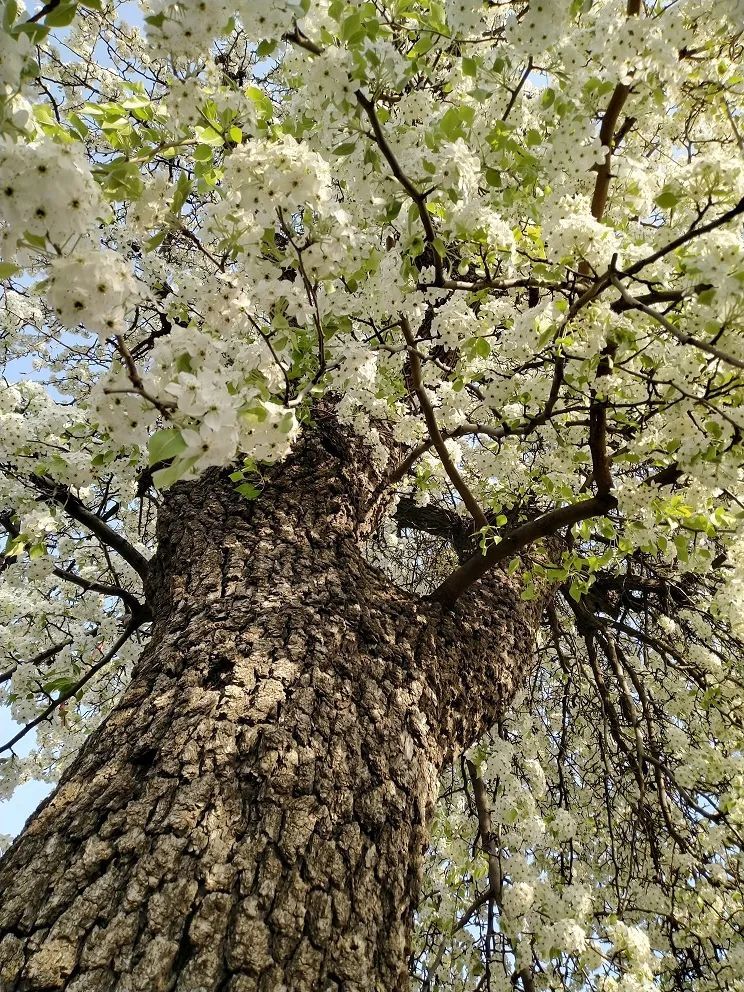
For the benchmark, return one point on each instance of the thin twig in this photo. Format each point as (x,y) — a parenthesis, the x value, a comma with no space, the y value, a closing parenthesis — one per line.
(63,697)
(680,336)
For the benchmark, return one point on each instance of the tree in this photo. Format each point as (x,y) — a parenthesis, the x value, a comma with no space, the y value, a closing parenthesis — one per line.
(374,505)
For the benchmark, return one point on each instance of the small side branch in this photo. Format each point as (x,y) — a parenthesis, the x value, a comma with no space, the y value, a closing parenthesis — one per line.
(61,496)
(431,423)
(691,234)
(709,349)
(64,696)
(418,197)
(135,607)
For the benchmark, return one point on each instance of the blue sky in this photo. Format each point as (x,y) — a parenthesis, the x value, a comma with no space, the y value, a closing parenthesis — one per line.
(16,810)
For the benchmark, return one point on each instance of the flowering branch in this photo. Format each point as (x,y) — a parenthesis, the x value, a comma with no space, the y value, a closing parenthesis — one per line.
(69,693)
(436,437)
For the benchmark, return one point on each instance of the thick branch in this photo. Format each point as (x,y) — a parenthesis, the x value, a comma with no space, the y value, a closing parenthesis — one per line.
(598,426)
(543,526)
(485,829)
(434,520)
(608,136)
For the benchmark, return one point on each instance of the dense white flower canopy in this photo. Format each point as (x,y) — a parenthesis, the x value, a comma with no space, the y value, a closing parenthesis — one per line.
(507,234)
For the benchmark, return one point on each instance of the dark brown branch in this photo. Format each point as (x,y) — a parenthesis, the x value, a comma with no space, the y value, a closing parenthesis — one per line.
(37,659)
(485,829)
(598,426)
(694,232)
(608,136)
(543,526)
(435,520)
(464,430)
(523,282)
(61,496)
(46,9)
(437,440)
(680,336)
(138,386)
(296,37)
(136,608)
(518,88)
(418,197)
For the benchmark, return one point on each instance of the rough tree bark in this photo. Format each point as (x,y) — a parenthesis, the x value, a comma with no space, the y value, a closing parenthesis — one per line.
(253,815)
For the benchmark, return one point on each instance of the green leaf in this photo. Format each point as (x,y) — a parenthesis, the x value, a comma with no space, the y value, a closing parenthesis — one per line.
(15,546)
(156,240)
(248,490)
(439,247)
(165,444)
(392,209)
(235,134)
(345,149)
(35,240)
(183,188)
(36,33)
(208,136)
(456,122)
(8,269)
(265,48)
(10,13)
(61,16)
(79,125)
(482,348)
(263,105)
(667,199)
(548,97)
(203,153)
(165,477)
(63,684)
(352,28)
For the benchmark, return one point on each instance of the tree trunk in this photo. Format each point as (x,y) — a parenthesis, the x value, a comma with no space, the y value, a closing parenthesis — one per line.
(253,814)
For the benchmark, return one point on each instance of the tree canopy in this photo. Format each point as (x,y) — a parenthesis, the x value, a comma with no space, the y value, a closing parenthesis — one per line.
(502,242)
